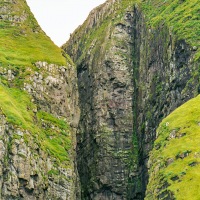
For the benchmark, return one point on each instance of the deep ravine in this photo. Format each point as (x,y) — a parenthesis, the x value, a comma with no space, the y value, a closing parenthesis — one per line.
(86,127)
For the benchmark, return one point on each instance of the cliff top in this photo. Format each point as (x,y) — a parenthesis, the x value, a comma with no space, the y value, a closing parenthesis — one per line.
(181,16)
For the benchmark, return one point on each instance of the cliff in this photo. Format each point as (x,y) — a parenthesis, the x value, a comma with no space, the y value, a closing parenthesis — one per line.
(136,62)
(134,137)
(38,110)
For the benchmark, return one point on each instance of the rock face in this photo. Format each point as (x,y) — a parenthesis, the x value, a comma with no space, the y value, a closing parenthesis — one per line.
(130,76)
(31,166)
(54,88)
(38,111)
(30,169)
(134,66)
(27,172)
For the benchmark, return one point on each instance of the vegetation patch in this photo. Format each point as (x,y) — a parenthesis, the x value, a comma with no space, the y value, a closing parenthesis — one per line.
(49,132)
(181,16)
(23,43)
(178,141)
(53,172)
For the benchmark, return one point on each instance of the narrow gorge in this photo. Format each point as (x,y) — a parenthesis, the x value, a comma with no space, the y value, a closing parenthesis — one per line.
(111,115)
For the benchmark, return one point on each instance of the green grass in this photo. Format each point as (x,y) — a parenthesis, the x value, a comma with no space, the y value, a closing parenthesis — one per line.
(24,43)
(53,172)
(15,104)
(184,124)
(52,120)
(51,133)
(181,16)
(58,137)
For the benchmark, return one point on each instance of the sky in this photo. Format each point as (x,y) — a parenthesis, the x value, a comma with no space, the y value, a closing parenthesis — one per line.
(59,18)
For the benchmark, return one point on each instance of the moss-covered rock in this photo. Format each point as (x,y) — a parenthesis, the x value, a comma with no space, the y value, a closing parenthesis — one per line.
(38,110)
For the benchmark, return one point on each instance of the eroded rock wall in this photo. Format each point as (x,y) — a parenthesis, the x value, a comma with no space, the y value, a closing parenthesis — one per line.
(106,122)
(129,78)
(28,169)
(167,76)
(105,133)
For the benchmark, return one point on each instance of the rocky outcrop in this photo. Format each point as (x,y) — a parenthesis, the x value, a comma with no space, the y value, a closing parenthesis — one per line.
(39,111)
(130,76)
(31,166)
(105,132)
(28,172)
(54,89)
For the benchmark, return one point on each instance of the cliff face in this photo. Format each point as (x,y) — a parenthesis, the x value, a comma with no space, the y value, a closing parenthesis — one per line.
(134,68)
(136,62)
(38,110)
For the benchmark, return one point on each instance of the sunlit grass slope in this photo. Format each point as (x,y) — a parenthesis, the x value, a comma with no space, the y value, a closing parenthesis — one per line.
(22,42)
(175,159)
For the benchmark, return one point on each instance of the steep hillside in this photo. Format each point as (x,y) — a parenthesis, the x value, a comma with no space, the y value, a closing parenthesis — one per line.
(38,110)
(136,61)
(22,41)
(174,160)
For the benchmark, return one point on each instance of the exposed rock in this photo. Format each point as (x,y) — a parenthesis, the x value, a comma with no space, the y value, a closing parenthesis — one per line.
(54,88)
(39,111)
(25,172)
(129,78)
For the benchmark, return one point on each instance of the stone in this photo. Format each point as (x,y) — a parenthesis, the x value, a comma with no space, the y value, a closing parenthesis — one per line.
(170,161)
(194,48)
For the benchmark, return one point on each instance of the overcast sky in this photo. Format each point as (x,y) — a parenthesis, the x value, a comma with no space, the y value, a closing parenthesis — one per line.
(59,18)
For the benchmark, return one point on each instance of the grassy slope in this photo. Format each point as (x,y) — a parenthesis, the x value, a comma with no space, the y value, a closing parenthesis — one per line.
(21,45)
(179,141)
(24,43)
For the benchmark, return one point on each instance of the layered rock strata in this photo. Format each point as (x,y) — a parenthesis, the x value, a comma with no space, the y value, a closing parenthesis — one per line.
(129,78)
(38,111)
